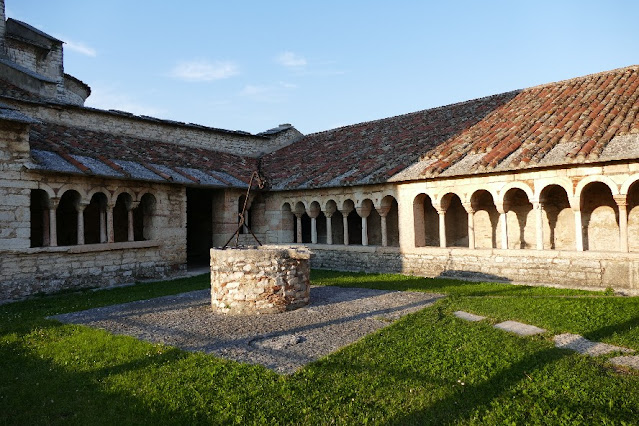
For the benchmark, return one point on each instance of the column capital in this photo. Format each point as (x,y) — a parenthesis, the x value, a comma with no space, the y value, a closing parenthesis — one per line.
(470,209)
(363,211)
(53,203)
(383,211)
(621,200)
(79,207)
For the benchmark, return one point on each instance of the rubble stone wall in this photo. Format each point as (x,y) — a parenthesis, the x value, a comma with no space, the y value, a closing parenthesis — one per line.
(50,269)
(259,280)
(587,270)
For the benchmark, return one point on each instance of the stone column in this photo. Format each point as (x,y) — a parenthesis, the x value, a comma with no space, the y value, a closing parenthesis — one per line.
(103,227)
(109,223)
(313,230)
(45,228)
(364,212)
(329,227)
(442,227)
(579,233)
(622,204)
(345,213)
(383,213)
(129,208)
(298,237)
(504,230)
(53,226)
(384,231)
(80,209)
(471,224)
(539,224)
(313,213)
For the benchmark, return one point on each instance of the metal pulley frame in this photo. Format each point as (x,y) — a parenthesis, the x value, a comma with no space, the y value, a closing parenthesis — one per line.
(242,222)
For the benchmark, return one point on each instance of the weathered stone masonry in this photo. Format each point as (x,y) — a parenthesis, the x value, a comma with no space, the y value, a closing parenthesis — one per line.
(535,186)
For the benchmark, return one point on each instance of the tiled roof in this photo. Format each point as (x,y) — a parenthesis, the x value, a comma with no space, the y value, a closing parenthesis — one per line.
(587,119)
(74,150)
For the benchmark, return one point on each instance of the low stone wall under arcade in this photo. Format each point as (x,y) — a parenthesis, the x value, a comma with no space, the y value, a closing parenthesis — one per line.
(587,270)
(47,270)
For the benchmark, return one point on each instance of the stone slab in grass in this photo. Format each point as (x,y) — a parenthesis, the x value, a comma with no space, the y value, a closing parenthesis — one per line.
(519,328)
(626,361)
(586,347)
(283,342)
(468,316)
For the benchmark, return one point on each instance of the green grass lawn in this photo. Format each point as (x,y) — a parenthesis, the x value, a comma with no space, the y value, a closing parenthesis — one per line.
(427,368)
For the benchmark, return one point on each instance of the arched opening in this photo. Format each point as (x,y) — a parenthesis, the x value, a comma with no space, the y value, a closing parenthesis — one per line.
(354,228)
(143,217)
(456,221)
(559,225)
(95,219)
(300,212)
(392,221)
(426,222)
(337,223)
(67,218)
(315,211)
(600,218)
(121,217)
(374,223)
(633,217)
(486,219)
(287,227)
(306,228)
(520,219)
(39,209)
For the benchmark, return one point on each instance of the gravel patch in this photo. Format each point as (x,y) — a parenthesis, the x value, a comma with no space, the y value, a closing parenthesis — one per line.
(283,342)
(584,346)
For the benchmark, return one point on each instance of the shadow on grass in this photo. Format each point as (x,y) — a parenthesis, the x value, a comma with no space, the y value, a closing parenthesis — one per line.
(44,392)
(459,406)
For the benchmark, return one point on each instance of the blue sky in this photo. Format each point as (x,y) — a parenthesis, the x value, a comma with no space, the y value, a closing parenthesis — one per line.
(251,65)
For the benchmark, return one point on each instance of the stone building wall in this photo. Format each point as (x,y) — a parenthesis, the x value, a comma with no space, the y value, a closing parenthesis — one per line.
(587,270)
(27,270)
(493,223)
(152,129)
(47,270)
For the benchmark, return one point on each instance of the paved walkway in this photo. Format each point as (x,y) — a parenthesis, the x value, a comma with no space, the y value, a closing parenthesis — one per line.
(574,342)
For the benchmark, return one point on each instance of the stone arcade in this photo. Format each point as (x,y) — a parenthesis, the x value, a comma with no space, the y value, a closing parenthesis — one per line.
(531,186)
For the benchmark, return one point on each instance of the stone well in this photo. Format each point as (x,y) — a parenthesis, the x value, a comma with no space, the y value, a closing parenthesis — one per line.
(259,280)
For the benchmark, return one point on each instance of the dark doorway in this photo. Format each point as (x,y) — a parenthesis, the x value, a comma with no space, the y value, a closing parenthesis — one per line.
(199,226)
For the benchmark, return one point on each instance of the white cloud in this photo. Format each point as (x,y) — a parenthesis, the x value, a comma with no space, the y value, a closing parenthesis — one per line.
(204,70)
(80,48)
(108,97)
(290,59)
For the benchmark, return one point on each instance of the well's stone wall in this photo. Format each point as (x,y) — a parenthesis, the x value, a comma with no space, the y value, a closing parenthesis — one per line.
(587,270)
(260,280)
